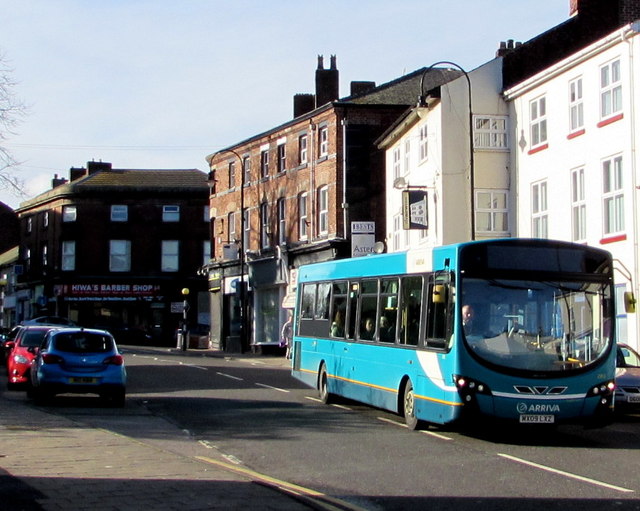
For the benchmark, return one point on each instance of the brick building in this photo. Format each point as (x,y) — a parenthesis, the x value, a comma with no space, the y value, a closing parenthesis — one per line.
(289,196)
(115,247)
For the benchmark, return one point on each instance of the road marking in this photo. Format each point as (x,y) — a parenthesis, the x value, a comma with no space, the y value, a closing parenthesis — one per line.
(272,388)
(206,444)
(424,432)
(313,399)
(230,376)
(326,502)
(342,407)
(232,459)
(193,365)
(566,474)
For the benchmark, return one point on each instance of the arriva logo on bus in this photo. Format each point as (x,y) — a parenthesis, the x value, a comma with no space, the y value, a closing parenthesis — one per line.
(537,408)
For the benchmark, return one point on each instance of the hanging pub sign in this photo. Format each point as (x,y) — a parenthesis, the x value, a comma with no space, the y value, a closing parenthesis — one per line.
(414,209)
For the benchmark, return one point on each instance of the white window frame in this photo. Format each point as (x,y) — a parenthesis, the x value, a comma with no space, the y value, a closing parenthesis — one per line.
(119,255)
(407,156)
(496,211)
(303,226)
(424,142)
(538,121)
(282,221)
(282,157)
(119,213)
(247,231)
(576,105)
(397,230)
(612,196)
(264,163)
(303,152)
(171,213)
(231,222)
(396,162)
(490,132)
(539,210)
(231,173)
(610,89)
(170,256)
(323,210)
(246,169)
(45,255)
(69,213)
(578,206)
(68,262)
(265,239)
(323,141)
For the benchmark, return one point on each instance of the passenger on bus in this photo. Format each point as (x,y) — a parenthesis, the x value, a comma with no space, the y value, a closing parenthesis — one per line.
(369,329)
(386,330)
(337,327)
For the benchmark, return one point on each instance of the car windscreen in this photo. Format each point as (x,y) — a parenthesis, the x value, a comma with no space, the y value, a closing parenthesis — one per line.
(32,338)
(83,342)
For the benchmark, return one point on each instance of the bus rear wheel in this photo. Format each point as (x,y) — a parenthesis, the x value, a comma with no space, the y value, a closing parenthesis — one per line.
(409,407)
(323,389)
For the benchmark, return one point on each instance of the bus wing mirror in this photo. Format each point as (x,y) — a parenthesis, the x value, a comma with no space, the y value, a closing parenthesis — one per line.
(629,302)
(438,294)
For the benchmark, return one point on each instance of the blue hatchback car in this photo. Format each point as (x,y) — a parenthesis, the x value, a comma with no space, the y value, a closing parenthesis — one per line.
(79,361)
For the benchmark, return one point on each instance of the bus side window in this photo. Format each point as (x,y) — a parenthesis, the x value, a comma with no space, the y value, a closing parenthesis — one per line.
(339,309)
(388,309)
(368,309)
(437,310)
(411,298)
(322,303)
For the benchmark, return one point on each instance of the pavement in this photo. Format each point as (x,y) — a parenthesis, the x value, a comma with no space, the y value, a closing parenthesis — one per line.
(52,461)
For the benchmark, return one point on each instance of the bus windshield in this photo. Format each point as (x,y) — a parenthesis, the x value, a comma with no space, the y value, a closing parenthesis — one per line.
(536,326)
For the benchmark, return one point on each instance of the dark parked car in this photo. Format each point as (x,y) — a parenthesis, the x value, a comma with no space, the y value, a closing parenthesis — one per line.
(21,351)
(627,379)
(79,361)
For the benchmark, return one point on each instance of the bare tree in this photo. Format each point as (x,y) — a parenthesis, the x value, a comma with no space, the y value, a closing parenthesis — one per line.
(11,112)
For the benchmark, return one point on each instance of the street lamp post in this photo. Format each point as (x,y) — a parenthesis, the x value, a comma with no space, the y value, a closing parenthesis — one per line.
(185,310)
(421,102)
(242,249)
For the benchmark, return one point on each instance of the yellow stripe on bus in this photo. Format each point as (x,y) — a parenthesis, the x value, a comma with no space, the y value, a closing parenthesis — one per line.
(394,391)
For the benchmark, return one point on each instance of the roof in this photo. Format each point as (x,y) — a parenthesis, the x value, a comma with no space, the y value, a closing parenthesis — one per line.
(128,180)
(403,91)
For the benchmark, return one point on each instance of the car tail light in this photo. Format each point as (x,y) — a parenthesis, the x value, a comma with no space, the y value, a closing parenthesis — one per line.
(116,360)
(49,358)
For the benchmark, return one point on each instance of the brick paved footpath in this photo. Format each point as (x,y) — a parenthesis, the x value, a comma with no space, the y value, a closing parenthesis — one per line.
(51,462)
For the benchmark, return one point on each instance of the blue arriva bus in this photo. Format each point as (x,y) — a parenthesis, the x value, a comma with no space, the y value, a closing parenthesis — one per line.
(514,329)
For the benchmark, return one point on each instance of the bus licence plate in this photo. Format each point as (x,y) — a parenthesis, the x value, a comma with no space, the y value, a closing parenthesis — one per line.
(537,419)
(633,399)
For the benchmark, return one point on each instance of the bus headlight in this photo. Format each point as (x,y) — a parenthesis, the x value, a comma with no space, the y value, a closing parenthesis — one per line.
(468,388)
(604,389)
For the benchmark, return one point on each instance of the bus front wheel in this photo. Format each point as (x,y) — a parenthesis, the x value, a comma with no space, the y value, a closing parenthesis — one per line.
(323,389)
(409,407)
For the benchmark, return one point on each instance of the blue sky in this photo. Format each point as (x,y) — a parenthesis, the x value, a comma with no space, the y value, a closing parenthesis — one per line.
(163,83)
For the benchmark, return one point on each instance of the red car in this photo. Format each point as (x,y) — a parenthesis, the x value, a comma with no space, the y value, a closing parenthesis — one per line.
(21,352)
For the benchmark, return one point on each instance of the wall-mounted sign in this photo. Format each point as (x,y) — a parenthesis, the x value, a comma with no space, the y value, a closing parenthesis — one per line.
(414,209)
(363,238)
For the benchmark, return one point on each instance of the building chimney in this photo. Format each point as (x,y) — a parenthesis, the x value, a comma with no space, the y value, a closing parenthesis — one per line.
(361,87)
(57,181)
(327,82)
(303,103)
(506,47)
(98,166)
(77,173)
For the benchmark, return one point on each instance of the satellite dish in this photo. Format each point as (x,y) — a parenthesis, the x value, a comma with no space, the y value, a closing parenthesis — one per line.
(378,248)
